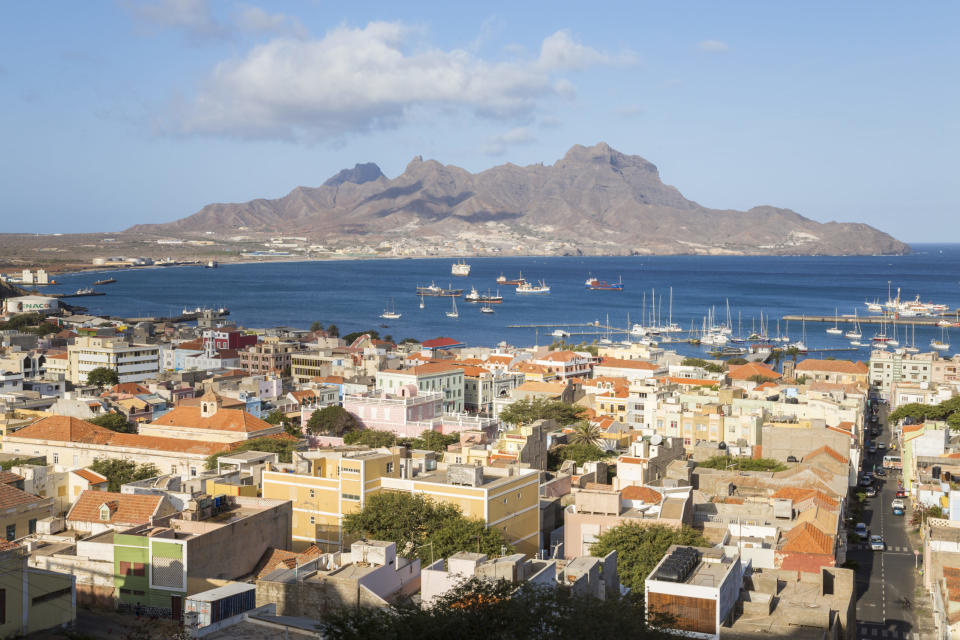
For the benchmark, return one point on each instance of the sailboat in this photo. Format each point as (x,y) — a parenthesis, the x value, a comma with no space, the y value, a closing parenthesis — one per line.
(855,333)
(454,313)
(835,330)
(486,309)
(801,344)
(893,342)
(882,336)
(943,343)
(912,347)
(421,301)
(390,313)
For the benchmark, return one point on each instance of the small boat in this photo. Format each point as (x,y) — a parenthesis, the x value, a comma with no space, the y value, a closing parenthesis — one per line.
(104,281)
(87,291)
(835,330)
(486,309)
(943,343)
(433,290)
(490,298)
(460,268)
(594,284)
(390,312)
(856,343)
(211,264)
(454,313)
(912,347)
(511,283)
(527,288)
(560,333)
(855,333)
(421,301)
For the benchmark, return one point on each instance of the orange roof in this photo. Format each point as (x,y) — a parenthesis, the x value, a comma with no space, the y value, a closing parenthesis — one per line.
(561,356)
(631,460)
(747,371)
(125,508)
(66,429)
(767,385)
(9,477)
(11,497)
(641,493)
(131,388)
(622,363)
(529,367)
(542,387)
(500,359)
(806,538)
(90,476)
(799,494)
(281,558)
(828,451)
(329,379)
(7,545)
(472,371)
(693,382)
(832,366)
(223,420)
(910,428)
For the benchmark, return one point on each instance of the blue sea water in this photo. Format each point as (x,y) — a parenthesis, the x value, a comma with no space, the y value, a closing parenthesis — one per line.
(352,294)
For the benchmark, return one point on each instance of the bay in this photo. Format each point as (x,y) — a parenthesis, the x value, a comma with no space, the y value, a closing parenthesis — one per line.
(352,293)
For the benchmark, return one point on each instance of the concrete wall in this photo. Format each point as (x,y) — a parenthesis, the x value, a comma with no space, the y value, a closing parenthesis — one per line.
(781,442)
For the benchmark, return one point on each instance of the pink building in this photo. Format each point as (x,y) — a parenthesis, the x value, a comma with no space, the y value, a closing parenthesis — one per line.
(409,413)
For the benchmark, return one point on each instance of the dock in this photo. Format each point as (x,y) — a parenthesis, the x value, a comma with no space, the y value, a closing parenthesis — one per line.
(61,296)
(924,321)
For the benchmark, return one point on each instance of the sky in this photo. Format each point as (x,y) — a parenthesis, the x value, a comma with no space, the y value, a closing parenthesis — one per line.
(132,111)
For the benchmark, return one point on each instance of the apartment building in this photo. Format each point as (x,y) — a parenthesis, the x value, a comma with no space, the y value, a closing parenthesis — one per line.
(887,368)
(326,485)
(267,356)
(481,387)
(837,371)
(567,364)
(132,362)
(435,377)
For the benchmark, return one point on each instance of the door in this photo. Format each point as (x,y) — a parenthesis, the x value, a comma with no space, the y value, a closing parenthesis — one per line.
(176,606)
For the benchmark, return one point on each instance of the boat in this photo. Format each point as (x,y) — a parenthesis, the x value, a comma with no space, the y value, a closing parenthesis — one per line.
(390,313)
(855,333)
(473,296)
(421,301)
(511,283)
(527,288)
(881,337)
(211,264)
(105,281)
(835,330)
(727,352)
(560,333)
(943,343)
(435,291)
(454,313)
(856,343)
(602,285)
(486,309)
(460,268)
(912,347)
(893,342)
(489,298)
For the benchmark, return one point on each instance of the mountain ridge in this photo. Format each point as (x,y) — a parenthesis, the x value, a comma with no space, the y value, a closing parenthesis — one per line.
(593,200)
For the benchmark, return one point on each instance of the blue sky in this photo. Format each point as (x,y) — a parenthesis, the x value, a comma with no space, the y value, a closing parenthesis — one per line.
(116,113)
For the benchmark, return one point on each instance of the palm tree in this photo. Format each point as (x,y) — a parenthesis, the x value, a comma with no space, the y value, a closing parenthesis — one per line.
(793,352)
(777,356)
(586,433)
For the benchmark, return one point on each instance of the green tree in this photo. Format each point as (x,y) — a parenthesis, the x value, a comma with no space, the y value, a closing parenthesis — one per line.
(332,421)
(119,472)
(579,453)
(333,330)
(290,426)
(760,378)
(316,325)
(743,464)
(777,356)
(422,526)
(736,361)
(793,352)
(103,377)
(371,438)
(283,447)
(350,337)
(276,417)
(586,433)
(115,422)
(639,548)
(527,411)
(432,441)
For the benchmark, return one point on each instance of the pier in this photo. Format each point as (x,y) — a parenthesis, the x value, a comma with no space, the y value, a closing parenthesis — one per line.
(924,321)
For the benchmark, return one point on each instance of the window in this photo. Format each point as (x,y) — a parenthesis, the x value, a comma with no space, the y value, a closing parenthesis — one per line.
(125,568)
(125,592)
(389,467)
(139,569)
(313,494)
(193,471)
(350,496)
(56,458)
(32,525)
(11,532)
(313,520)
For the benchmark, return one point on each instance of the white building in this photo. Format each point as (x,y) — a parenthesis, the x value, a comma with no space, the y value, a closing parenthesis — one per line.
(132,362)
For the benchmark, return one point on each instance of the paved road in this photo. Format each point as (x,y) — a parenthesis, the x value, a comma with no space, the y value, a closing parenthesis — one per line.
(885,580)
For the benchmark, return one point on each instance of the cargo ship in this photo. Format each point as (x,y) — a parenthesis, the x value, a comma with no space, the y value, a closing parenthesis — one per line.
(437,292)
(460,268)
(602,285)
(485,298)
(527,288)
(511,283)
(105,281)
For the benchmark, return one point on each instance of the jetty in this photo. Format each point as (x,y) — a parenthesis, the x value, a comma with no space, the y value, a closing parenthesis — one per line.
(921,321)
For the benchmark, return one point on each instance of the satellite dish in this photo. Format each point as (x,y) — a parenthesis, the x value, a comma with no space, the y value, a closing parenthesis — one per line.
(656,438)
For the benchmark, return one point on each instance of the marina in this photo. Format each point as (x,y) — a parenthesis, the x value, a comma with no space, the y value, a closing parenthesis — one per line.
(903,322)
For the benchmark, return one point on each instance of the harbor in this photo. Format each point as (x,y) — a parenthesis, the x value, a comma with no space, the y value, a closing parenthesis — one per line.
(927,321)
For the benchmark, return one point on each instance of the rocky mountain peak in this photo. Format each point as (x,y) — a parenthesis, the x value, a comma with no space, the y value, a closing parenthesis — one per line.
(361,173)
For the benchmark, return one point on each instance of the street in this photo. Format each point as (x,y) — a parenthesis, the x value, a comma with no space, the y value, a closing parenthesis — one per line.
(885,580)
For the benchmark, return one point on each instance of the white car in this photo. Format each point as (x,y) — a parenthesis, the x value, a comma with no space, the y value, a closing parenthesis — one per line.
(876,543)
(882,446)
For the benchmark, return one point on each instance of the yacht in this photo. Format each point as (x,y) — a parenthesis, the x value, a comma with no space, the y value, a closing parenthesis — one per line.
(855,333)
(454,313)
(835,330)
(390,313)
(943,343)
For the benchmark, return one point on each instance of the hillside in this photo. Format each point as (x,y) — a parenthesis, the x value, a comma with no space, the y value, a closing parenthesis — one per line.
(595,199)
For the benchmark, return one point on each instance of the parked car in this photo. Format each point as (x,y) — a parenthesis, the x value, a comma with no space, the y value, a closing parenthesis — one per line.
(876,543)
(866,482)
(880,473)
(871,492)
(882,446)
(901,493)
(861,530)
(872,449)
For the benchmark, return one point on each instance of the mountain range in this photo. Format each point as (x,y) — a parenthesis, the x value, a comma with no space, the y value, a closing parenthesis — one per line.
(594,200)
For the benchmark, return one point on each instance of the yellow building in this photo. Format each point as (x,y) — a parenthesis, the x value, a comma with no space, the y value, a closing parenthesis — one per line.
(326,485)
(32,599)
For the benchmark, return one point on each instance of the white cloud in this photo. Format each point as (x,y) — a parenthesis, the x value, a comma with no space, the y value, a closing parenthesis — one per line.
(713,46)
(193,16)
(361,79)
(256,20)
(497,145)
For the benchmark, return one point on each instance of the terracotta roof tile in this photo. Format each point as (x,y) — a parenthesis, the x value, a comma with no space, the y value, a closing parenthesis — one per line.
(9,477)
(641,493)
(806,538)
(747,371)
(621,363)
(440,343)
(11,497)
(832,366)
(223,420)
(828,451)
(90,476)
(125,508)
(281,558)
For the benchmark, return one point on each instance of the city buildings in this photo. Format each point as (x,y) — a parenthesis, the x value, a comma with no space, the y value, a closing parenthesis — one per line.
(132,362)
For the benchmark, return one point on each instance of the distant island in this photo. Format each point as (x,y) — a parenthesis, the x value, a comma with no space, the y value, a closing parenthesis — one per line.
(593,201)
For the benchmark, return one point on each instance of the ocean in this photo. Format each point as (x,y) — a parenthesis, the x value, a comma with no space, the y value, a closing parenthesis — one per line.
(352,294)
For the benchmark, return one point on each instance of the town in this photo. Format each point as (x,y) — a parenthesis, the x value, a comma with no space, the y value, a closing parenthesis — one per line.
(226,480)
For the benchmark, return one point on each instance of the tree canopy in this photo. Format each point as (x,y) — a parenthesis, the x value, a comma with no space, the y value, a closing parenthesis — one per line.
(289,425)
(487,610)
(332,421)
(371,438)
(119,472)
(639,549)
(350,337)
(706,365)
(422,527)
(115,422)
(586,433)
(431,440)
(283,447)
(743,464)
(102,377)
(948,410)
(527,411)
(579,453)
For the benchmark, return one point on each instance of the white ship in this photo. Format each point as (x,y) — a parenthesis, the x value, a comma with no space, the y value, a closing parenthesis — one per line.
(540,288)
(390,313)
(460,268)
